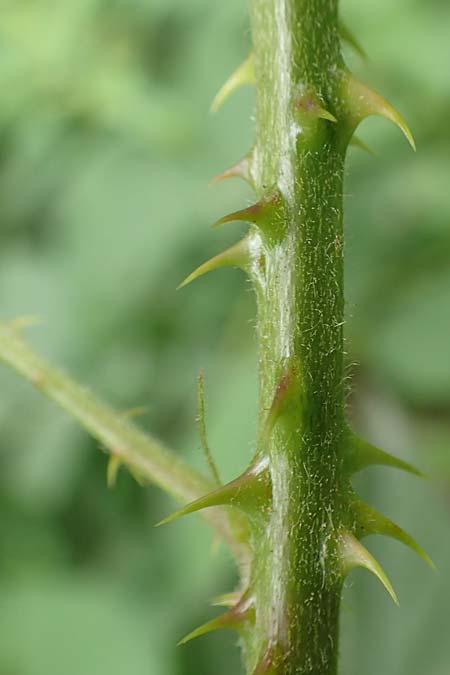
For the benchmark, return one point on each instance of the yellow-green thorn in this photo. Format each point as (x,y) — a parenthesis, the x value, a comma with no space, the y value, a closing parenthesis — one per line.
(208,627)
(369,521)
(114,464)
(234,618)
(360,454)
(362,101)
(308,107)
(237,255)
(354,554)
(348,37)
(263,213)
(226,599)
(326,115)
(138,477)
(243,169)
(250,492)
(244,74)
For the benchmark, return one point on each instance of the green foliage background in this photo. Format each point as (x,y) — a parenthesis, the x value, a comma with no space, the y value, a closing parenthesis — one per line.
(106,147)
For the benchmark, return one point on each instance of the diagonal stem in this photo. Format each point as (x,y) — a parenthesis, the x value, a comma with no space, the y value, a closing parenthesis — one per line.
(140,452)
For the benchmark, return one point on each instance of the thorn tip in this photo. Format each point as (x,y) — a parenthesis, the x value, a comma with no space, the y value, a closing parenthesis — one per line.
(362,101)
(244,74)
(243,169)
(369,521)
(362,454)
(354,554)
(237,255)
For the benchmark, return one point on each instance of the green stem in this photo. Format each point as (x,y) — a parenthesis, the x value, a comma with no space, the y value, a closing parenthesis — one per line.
(145,457)
(300,516)
(300,325)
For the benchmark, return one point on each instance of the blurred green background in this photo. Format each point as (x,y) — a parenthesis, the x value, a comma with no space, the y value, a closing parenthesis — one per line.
(106,148)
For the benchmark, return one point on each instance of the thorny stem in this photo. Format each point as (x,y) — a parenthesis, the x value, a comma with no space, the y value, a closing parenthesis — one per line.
(302,521)
(300,326)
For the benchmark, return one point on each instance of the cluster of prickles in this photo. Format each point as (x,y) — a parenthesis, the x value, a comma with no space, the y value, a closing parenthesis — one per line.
(250,493)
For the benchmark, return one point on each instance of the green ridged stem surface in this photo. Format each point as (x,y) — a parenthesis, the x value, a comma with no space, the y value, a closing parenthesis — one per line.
(299,530)
(298,577)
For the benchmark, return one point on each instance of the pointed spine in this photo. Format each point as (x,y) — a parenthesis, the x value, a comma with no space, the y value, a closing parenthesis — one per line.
(369,521)
(361,101)
(235,619)
(354,554)
(113,468)
(308,107)
(237,255)
(114,464)
(244,74)
(243,169)
(250,493)
(267,215)
(226,599)
(360,454)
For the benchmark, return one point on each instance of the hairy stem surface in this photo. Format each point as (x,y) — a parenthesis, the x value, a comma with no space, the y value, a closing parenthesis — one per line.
(300,324)
(300,523)
(147,459)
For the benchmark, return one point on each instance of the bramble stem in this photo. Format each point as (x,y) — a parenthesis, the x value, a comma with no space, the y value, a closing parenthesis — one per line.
(295,521)
(300,326)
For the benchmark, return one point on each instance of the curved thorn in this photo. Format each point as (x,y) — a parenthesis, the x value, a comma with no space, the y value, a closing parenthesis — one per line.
(220,497)
(354,554)
(234,619)
(369,521)
(114,464)
(357,142)
(138,477)
(362,454)
(248,215)
(250,492)
(309,107)
(226,599)
(260,214)
(362,101)
(326,115)
(208,627)
(237,255)
(244,74)
(348,37)
(240,170)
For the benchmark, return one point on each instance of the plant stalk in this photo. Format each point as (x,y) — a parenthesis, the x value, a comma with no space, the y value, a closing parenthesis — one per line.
(146,458)
(300,327)
(300,522)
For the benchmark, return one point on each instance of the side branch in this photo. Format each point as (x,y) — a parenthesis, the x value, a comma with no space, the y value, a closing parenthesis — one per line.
(144,456)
